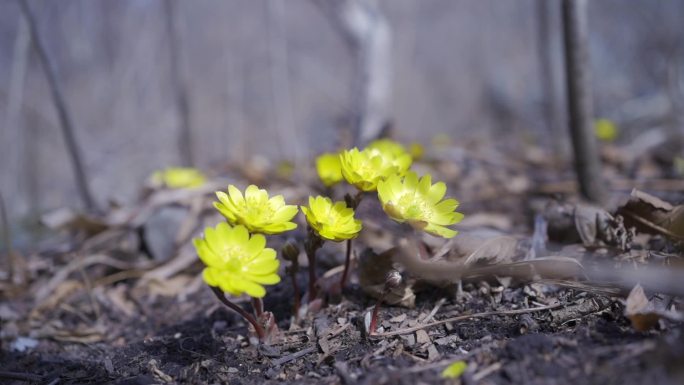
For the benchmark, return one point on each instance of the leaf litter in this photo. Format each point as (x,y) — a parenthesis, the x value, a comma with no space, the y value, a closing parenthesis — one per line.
(534,289)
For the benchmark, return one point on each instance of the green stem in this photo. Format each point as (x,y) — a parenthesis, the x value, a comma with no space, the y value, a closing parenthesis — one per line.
(347,261)
(250,318)
(258,306)
(312,244)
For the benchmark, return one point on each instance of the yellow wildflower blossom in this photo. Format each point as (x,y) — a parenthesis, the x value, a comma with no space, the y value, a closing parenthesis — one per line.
(237,263)
(255,210)
(364,169)
(605,130)
(454,370)
(179,177)
(329,168)
(417,202)
(388,147)
(332,221)
(416,150)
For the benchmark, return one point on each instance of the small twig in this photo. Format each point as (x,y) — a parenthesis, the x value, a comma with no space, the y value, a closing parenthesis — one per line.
(434,311)
(477,377)
(652,225)
(293,356)
(55,381)
(250,318)
(21,376)
(339,330)
(463,317)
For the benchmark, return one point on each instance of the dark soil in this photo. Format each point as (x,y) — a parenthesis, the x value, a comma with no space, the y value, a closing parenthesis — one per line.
(199,348)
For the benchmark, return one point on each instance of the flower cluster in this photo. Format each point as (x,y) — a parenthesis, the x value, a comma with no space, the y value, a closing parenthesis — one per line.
(235,253)
(365,168)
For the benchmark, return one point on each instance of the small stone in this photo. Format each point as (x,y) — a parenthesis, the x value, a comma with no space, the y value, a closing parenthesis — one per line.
(447,340)
(422,337)
(400,318)
(233,370)
(433,353)
(410,339)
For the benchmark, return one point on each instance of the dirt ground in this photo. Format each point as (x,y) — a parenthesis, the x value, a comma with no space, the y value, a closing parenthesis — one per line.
(99,303)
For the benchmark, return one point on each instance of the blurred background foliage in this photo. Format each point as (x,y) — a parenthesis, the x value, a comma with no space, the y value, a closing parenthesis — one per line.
(275,78)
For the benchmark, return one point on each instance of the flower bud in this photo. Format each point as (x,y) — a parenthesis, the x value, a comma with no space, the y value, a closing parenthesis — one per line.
(392,279)
(290,251)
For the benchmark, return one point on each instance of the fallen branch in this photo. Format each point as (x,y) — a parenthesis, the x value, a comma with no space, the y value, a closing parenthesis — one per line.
(464,317)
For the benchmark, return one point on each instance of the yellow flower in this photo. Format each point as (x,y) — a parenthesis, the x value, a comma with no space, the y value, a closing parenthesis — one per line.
(237,263)
(416,150)
(418,203)
(605,130)
(454,370)
(332,221)
(364,169)
(179,177)
(329,168)
(255,210)
(388,147)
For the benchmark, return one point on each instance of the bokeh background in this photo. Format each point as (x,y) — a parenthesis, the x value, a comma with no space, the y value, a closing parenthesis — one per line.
(281,79)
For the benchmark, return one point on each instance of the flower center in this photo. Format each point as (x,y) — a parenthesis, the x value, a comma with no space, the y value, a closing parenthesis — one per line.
(232,256)
(258,210)
(413,206)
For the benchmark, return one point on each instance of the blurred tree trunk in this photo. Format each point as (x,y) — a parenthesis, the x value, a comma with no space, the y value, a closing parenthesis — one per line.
(369,35)
(180,88)
(580,101)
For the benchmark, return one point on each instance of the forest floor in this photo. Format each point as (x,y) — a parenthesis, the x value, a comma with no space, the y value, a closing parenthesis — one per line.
(537,288)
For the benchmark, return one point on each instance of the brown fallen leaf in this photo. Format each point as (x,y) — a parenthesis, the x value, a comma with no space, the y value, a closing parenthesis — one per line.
(652,215)
(493,251)
(439,272)
(591,223)
(640,311)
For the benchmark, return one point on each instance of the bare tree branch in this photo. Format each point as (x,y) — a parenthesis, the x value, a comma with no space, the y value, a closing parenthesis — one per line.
(60,105)
(580,101)
(15,135)
(180,89)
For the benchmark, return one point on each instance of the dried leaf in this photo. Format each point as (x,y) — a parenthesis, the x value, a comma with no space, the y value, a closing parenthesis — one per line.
(591,223)
(438,272)
(640,311)
(652,215)
(493,251)
(66,218)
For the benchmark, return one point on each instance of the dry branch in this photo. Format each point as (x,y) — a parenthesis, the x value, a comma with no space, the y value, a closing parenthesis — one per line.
(63,115)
